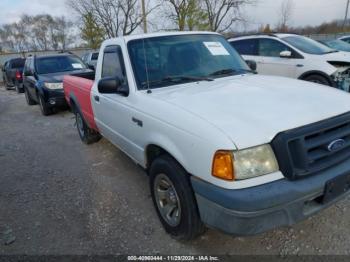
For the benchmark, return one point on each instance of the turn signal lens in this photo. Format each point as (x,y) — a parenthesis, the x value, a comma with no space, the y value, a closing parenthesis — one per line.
(223,165)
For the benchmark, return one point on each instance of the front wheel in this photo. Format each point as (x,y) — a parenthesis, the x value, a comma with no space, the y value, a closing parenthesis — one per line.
(29,100)
(87,135)
(174,199)
(318,79)
(44,108)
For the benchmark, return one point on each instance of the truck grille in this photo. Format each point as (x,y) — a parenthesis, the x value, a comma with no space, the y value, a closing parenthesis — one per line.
(307,150)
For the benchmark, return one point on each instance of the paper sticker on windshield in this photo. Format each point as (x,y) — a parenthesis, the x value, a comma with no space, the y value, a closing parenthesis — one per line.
(216,48)
(77,66)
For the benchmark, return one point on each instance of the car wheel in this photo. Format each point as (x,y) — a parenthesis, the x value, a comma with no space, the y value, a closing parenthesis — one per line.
(45,109)
(318,79)
(18,90)
(7,85)
(174,199)
(87,135)
(29,100)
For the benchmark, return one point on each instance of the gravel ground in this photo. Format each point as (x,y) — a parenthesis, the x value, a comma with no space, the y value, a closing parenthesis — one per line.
(59,196)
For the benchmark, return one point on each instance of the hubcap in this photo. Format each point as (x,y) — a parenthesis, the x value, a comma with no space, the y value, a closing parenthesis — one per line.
(167,200)
(80,124)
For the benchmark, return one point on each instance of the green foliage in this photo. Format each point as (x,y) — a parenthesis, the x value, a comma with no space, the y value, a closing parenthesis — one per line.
(91,32)
(196,17)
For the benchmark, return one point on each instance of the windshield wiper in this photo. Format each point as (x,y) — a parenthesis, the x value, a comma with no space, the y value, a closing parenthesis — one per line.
(230,71)
(176,80)
(332,51)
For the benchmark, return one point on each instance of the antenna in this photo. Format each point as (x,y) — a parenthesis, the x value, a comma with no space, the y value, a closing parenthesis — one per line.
(149,91)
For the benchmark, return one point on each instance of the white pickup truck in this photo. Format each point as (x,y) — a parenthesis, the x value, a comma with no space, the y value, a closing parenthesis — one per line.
(224,147)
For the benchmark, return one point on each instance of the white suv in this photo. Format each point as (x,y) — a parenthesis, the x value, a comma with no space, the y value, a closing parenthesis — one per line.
(296,56)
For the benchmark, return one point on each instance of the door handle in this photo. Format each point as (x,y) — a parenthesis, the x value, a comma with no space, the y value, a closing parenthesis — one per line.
(97,98)
(137,121)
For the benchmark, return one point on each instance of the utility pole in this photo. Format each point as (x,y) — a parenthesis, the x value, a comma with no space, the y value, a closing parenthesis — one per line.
(346,14)
(144,16)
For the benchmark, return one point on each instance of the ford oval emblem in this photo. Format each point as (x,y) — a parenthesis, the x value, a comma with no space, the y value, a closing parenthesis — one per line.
(336,145)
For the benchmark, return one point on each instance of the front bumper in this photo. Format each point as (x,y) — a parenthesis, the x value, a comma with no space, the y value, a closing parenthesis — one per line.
(256,210)
(55,98)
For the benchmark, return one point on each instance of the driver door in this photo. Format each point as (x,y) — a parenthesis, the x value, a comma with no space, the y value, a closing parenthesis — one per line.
(114,112)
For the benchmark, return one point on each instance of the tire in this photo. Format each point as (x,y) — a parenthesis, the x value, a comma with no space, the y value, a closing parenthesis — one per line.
(29,100)
(44,108)
(7,85)
(87,135)
(18,90)
(318,79)
(175,205)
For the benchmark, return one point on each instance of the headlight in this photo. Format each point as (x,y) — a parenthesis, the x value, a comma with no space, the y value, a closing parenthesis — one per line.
(253,162)
(244,164)
(54,86)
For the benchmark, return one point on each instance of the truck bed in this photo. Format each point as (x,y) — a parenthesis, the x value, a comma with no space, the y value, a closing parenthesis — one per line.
(77,90)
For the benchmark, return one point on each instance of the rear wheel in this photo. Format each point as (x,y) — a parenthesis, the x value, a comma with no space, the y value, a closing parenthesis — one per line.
(29,100)
(87,135)
(7,85)
(174,199)
(18,89)
(318,79)
(45,109)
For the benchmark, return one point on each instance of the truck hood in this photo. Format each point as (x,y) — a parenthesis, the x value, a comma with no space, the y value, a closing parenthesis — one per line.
(251,109)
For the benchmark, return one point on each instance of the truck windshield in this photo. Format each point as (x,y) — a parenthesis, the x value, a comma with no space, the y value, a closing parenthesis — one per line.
(308,45)
(170,60)
(56,64)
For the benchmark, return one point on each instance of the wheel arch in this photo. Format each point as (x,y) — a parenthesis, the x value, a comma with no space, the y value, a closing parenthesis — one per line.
(318,73)
(154,150)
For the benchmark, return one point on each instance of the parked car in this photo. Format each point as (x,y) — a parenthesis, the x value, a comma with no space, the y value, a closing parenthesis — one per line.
(43,76)
(297,57)
(12,74)
(336,45)
(91,59)
(345,39)
(223,147)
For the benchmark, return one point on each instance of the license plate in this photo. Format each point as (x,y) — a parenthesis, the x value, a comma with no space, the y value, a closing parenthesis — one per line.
(336,187)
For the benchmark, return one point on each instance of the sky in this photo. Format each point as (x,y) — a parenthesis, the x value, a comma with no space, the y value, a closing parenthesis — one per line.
(305,12)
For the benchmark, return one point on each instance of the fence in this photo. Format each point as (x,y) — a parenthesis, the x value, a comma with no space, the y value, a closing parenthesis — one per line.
(5,57)
(327,36)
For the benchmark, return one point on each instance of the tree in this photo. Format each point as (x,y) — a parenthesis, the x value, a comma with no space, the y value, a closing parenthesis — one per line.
(115,17)
(267,29)
(41,32)
(222,14)
(187,14)
(91,32)
(285,15)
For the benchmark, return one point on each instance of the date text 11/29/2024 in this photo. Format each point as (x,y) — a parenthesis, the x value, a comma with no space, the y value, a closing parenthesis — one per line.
(173,258)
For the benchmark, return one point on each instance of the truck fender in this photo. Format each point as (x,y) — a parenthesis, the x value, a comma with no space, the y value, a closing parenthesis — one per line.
(167,146)
(73,100)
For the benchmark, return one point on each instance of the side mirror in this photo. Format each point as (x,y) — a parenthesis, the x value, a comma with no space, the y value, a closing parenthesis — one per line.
(112,85)
(286,54)
(252,64)
(91,67)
